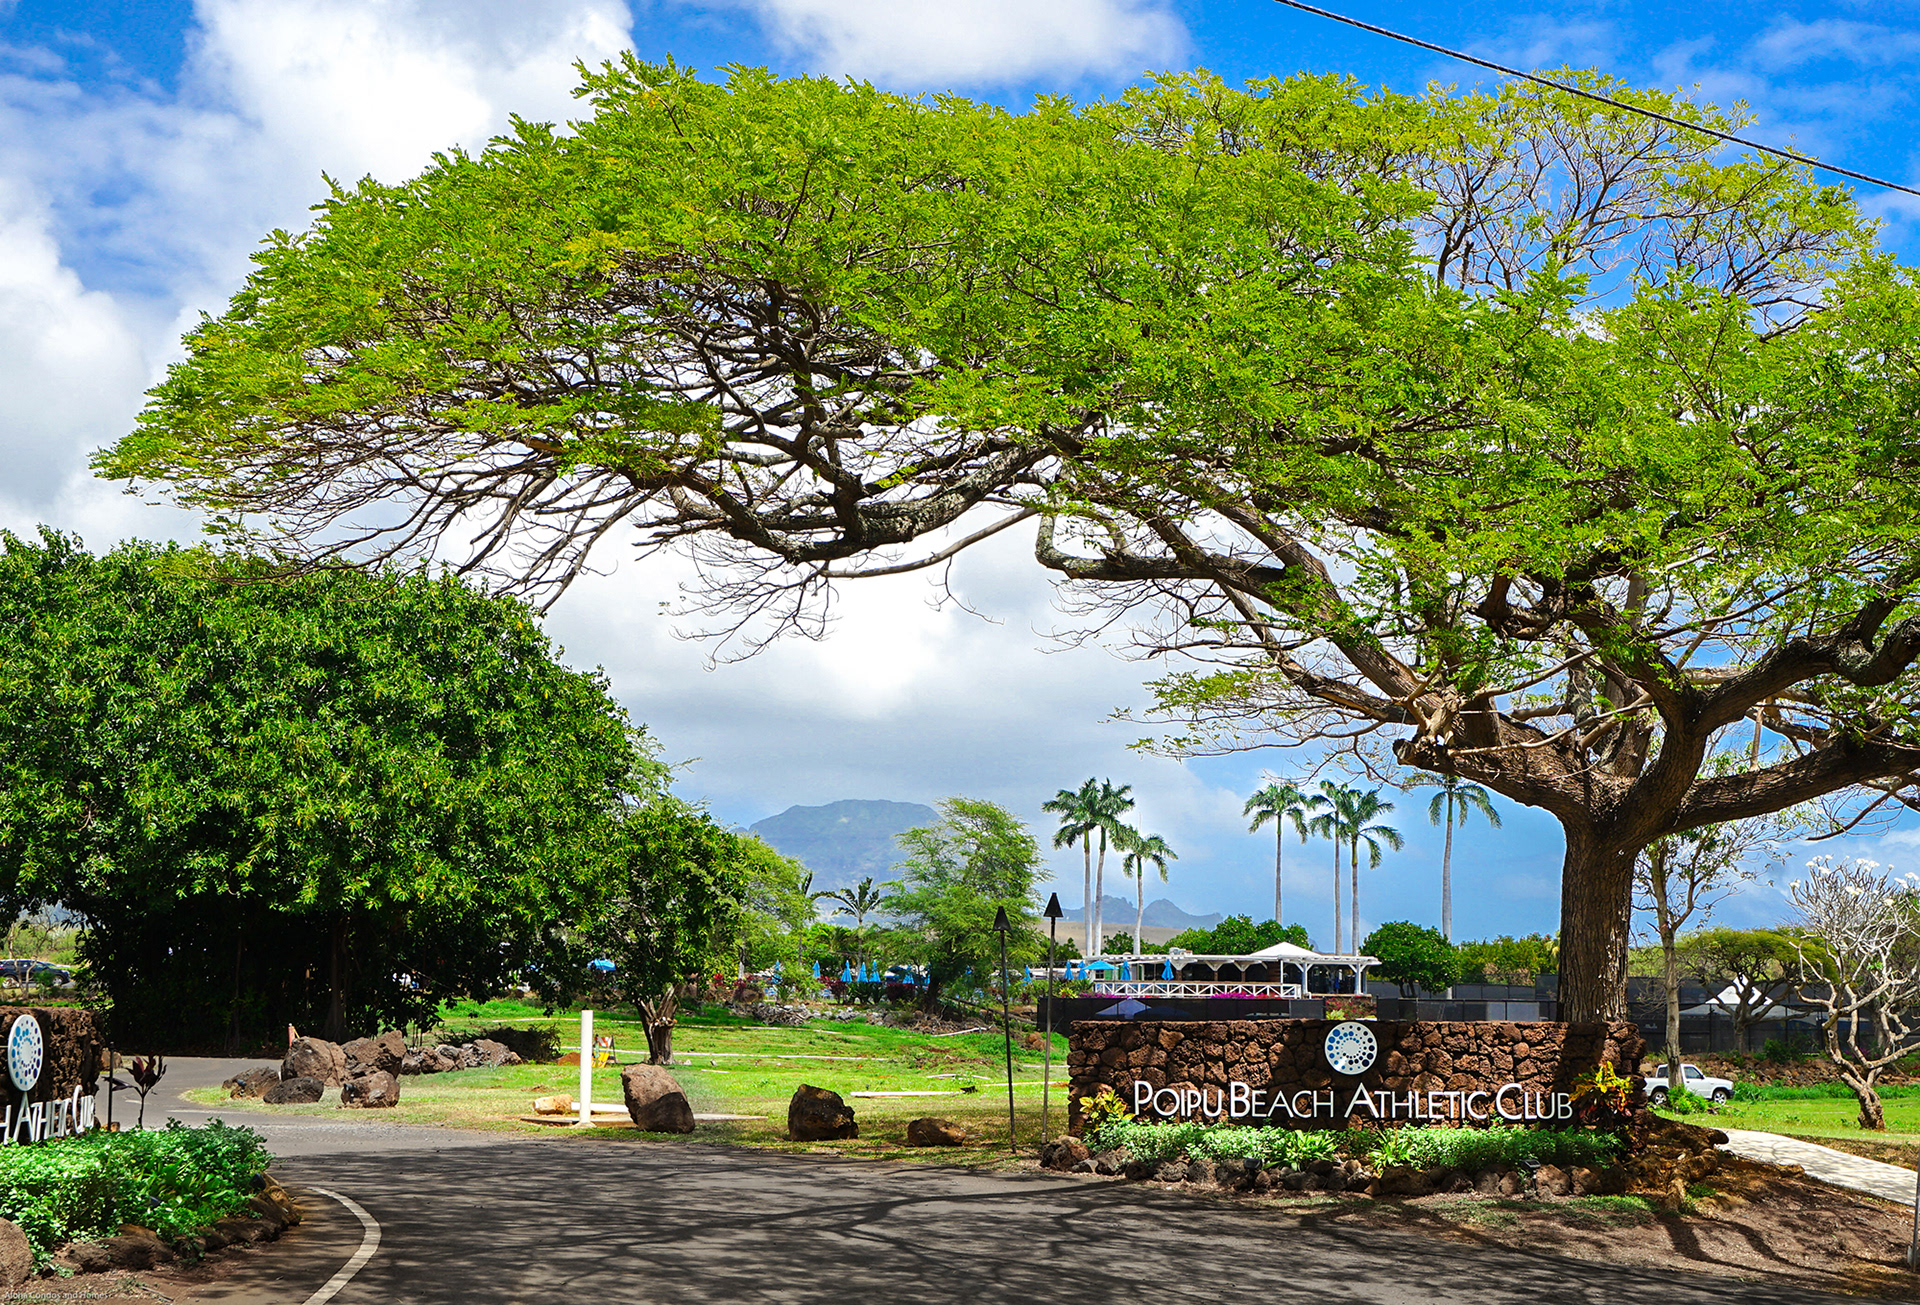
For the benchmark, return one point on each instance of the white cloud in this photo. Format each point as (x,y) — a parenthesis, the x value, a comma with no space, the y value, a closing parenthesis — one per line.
(1788,43)
(70,366)
(973,42)
(125,209)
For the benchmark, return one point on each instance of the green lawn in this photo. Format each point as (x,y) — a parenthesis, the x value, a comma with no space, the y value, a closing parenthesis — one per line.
(1798,1113)
(727,1066)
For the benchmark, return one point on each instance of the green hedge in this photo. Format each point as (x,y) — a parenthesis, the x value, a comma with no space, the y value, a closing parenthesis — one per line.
(1456,1148)
(174,1180)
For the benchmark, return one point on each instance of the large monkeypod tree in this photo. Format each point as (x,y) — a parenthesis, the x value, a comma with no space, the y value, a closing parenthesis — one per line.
(1517,438)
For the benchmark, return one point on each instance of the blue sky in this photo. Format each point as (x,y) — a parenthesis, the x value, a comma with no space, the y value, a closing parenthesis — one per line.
(145,148)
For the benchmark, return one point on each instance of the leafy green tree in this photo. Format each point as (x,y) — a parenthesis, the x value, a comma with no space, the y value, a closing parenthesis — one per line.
(1507,959)
(671,907)
(1143,851)
(1756,964)
(1538,442)
(955,874)
(776,907)
(1413,956)
(1449,808)
(1238,935)
(1279,803)
(325,801)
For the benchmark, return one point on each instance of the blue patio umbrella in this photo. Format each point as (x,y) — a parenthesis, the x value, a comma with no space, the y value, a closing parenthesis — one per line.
(1029,974)
(1166,969)
(603,965)
(846,972)
(816,969)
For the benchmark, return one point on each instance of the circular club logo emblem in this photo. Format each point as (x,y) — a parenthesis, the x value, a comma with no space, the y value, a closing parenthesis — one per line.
(26,1052)
(1351,1048)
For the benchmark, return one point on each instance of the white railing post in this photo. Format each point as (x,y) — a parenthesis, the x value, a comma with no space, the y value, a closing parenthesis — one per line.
(586,1067)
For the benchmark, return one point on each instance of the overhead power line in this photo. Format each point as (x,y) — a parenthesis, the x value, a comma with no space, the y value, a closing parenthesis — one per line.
(1590,95)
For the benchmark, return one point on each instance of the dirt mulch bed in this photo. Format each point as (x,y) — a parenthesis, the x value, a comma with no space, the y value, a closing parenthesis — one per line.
(1760,1223)
(175,1282)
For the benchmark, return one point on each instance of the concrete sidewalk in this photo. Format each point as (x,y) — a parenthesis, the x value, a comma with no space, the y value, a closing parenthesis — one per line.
(1856,1173)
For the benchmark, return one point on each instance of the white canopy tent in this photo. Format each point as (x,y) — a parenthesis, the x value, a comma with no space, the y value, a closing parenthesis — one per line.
(1282,970)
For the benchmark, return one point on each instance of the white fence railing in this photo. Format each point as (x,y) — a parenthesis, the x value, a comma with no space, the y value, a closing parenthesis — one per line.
(1181,988)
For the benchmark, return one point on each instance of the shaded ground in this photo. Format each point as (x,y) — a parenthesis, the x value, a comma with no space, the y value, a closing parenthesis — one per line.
(685,1223)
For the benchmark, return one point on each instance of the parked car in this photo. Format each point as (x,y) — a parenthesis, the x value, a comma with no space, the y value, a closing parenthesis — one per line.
(1717,1090)
(27,970)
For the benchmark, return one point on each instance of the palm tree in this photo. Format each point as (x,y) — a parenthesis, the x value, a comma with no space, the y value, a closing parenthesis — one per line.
(1333,802)
(1109,805)
(1365,807)
(859,901)
(1078,810)
(1279,803)
(1142,851)
(1451,806)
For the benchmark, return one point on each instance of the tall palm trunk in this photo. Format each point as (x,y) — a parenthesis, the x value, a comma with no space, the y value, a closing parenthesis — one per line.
(1279,842)
(1140,909)
(1336,897)
(1099,899)
(1446,877)
(1353,917)
(1086,889)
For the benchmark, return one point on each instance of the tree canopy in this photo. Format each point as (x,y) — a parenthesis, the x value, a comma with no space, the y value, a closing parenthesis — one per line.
(344,797)
(1513,437)
(955,875)
(1413,956)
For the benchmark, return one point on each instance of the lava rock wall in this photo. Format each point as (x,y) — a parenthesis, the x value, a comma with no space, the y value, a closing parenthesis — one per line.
(74,1045)
(1430,1067)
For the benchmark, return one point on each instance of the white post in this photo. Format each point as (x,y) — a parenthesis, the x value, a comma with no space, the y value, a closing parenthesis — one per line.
(586,1067)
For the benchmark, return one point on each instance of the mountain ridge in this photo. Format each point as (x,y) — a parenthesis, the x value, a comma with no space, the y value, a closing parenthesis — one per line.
(846,841)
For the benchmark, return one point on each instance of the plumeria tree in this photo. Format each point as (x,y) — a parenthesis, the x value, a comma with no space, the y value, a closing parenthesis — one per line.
(1859,955)
(1681,878)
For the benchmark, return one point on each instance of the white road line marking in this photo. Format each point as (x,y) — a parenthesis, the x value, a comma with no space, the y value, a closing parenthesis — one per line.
(368,1245)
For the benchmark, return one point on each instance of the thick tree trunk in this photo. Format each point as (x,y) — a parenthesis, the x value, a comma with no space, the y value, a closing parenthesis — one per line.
(1596,910)
(660,1041)
(1873,1116)
(337,981)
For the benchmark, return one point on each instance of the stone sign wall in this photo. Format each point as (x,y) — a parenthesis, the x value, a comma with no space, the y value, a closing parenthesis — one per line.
(1281,1073)
(72,1046)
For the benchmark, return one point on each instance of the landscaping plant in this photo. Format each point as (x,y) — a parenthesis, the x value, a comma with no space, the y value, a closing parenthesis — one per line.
(175,1181)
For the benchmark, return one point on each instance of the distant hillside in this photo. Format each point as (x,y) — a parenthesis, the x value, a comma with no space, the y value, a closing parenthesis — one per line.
(843,842)
(1117,913)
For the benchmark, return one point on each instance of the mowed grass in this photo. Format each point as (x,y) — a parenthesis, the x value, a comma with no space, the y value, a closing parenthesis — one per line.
(1818,1119)
(727,1066)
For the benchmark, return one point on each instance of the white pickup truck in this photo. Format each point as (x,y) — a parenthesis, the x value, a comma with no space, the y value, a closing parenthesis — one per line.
(1717,1090)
